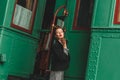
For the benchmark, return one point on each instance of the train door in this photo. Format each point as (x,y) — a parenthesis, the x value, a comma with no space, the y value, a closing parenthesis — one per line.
(44,37)
(78,32)
(50,20)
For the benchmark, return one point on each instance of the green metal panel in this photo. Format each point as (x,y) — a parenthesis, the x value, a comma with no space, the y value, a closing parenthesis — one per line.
(20,54)
(104,55)
(39,17)
(78,44)
(103,13)
(103,60)
(109,59)
(2,10)
(8,13)
(3,68)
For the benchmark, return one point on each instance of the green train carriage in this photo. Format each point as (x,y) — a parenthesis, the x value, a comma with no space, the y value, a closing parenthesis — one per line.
(92,28)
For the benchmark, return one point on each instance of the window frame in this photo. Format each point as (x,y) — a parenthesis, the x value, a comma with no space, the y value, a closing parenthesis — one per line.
(31,22)
(87,18)
(75,27)
(117,13)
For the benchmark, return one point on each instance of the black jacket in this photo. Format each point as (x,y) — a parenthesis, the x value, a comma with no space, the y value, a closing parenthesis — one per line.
(59,60)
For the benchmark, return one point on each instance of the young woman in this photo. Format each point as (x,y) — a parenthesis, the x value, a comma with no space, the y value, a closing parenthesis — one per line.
(59,55)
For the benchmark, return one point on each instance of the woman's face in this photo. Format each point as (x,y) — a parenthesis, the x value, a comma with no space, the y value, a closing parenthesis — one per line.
(59,33)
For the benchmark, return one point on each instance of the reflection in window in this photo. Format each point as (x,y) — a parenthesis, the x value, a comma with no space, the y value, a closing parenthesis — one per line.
(48,15)
(83,14)
(26,3)
(23,15)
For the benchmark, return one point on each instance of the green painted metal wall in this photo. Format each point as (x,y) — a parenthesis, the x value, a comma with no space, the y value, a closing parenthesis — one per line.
(103,14)
(17,48)
(104,53)
(78,44)
(2,10)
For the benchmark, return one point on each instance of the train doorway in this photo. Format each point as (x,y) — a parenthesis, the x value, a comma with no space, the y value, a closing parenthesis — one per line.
(46,23)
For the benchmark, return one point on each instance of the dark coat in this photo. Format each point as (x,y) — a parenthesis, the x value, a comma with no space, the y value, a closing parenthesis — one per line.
(59,60)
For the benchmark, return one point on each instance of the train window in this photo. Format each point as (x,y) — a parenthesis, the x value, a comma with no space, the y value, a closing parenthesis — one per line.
(83,14)
(49,13)
(117,13)
(23,15)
